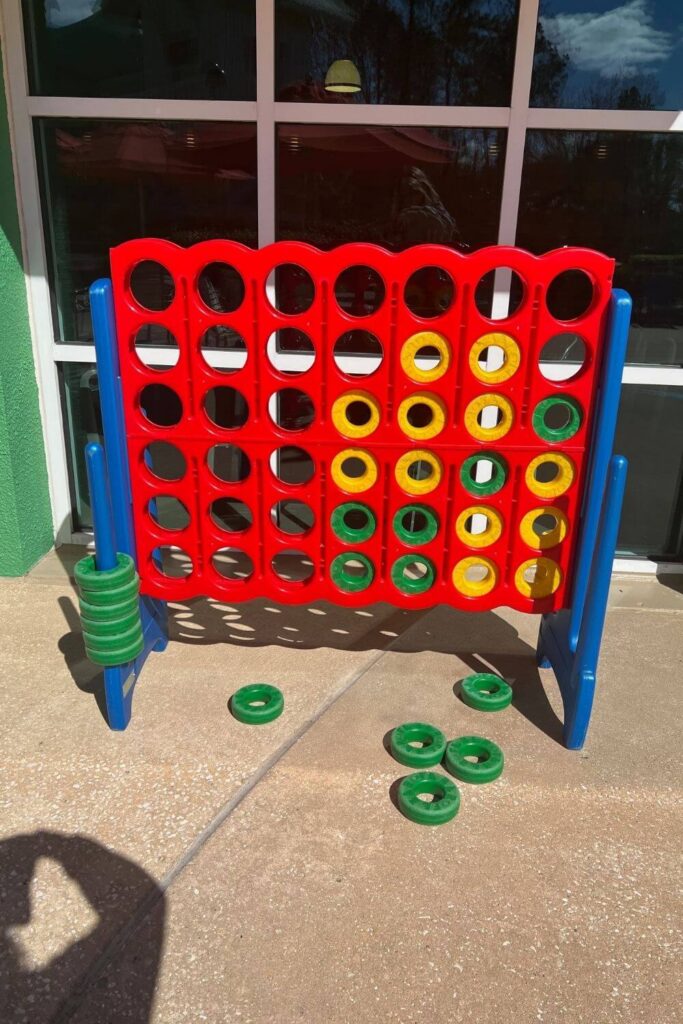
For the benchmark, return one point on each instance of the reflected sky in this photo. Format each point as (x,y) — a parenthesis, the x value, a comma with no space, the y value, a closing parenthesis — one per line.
(600,53)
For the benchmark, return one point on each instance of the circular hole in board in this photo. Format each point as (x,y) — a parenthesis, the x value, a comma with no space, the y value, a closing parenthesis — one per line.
(228,463)
(152,286)
(357,353)
(292,465)
(232,563)
(168,512)
(172,561)
(511,298)
(156,336)
(569,295)
(290,351)
(359,290)
(292,517)
(292,566)
(223,349)
(562,357)
(221,287)
(290,289)
(226,407)
(164,460)
(231,515)
(161,405)
(291,409)
(429,292)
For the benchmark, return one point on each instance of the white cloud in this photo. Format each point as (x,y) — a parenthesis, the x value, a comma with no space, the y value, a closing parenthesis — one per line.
(622,41)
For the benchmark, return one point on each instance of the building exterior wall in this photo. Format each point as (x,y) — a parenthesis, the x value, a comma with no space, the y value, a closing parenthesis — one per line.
(25,518)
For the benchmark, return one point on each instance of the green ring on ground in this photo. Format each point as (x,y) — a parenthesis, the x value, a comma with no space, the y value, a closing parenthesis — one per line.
(89,578)
(349,533)
(486,770)
(344,579)
(486,691)
(244,710)
(439,811)
(492,486)
(415,537)
(418,586)
(432,751)
(557,433)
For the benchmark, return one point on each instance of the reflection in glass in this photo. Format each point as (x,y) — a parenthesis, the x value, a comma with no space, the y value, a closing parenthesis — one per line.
(609,54)
(178,49)
(392,186)
(104,182)
(620,193)
(398,51)
(82,424)
(650,434)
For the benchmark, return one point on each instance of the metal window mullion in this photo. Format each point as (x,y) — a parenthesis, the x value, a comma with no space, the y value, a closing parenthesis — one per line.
(265,119)
(35,267)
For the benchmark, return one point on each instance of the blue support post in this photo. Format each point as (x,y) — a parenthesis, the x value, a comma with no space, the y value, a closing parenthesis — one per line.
(103,522)
(569,640)
(119,680)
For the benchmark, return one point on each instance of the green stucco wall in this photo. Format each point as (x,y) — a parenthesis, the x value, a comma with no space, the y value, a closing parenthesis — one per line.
(25,518)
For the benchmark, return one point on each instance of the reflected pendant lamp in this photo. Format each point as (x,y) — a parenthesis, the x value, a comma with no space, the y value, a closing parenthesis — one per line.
(342,76)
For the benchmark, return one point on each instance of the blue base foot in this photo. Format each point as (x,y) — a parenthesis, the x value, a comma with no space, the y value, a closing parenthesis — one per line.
(119,681)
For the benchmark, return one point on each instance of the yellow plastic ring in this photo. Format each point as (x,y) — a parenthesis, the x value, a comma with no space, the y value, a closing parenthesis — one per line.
(488,536)
(354,484)
(340,414)
(483,402)
(410,484)
(546,581)
(550,538)
(436,422)
(475,588)
(512,357)
(411,347)
(553,488)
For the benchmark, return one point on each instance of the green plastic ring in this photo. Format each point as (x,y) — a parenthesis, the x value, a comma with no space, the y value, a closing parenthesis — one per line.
(557,433)
(246,706)
(107,612)
(97,641)
(492,486)
(486,692)
(439,811)
(89,578)
(418,586)
(111,627)
(117,595)
(489,766)
(344,580)
(430,753)
(348,533)
(116,655)
(414,537)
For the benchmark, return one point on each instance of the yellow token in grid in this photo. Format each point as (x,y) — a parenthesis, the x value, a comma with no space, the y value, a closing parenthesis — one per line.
(548,538)
(356,414)
(560,482)
(422,416)
(354,470)
(418,471)
(538,577)
(424,343)
(489,535)
(475,576)
(487,401)
(511,357)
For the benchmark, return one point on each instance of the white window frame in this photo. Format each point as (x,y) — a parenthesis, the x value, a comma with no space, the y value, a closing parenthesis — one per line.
(267,113)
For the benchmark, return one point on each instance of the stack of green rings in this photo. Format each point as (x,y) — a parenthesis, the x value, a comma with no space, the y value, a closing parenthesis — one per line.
(110,610)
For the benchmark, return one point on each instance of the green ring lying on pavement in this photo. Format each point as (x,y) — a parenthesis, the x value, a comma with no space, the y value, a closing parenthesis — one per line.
(488,768)
(415,537)
(353,534)
(440,810)
(430,753)
(257,704)
(573,410)
(486,692)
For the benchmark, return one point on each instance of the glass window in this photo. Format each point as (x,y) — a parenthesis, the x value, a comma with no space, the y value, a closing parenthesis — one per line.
(82,424)
(392,186)
(620,193)
(650,434)
(395,51)
(609,54)
(104,182)
(165,49)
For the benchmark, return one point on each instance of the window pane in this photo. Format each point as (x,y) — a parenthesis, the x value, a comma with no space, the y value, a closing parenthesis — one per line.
(82,424)
(650,434)
(619,192)
(393,186)
(180,49)
(395,51)
(104,182)
(609,54)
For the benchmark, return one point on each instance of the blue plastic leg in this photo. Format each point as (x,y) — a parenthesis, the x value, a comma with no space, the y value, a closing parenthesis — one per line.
(576,671)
